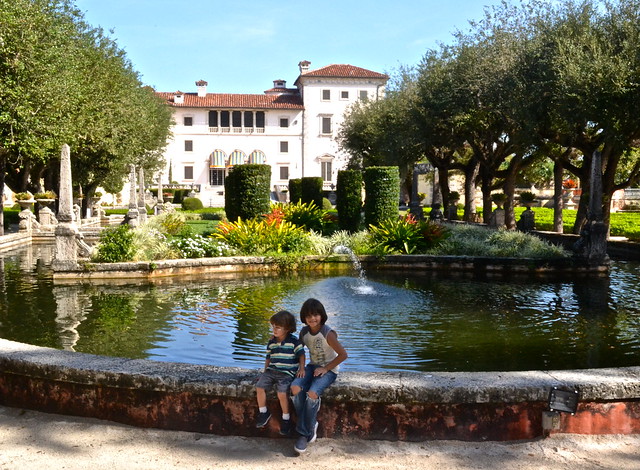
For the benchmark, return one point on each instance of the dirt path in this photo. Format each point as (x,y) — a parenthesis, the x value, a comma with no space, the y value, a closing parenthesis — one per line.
(32,440)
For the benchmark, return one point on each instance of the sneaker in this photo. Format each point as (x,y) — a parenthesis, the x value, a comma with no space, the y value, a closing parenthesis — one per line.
(263,419)
(300,445)
(285,427)
(313,438)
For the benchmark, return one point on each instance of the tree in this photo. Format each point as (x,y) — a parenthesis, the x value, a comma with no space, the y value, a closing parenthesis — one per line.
(383,132)
(62,81)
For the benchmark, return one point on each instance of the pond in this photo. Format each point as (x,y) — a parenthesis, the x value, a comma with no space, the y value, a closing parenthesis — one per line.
(407,321)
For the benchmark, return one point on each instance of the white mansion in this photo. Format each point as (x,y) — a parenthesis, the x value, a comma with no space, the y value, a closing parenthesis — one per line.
(291,129)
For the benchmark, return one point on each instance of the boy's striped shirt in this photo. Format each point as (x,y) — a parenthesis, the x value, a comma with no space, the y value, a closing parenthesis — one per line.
(284,356)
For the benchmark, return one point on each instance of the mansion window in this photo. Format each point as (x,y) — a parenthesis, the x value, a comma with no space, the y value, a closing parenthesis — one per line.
(188,145)
(364,95)
(240,121)
(284,122)
(260,119)
(325,125)
(284,172)
(236,118)
(248,119)
(188,121)
(325,170)
(284,146)
(225,119)
(344,95)
(326,95)
(216,176)
(188,172)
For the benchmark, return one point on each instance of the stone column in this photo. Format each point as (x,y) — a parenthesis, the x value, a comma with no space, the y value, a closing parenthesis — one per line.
(160,203)
(66,254)
(142,207)
(132,214)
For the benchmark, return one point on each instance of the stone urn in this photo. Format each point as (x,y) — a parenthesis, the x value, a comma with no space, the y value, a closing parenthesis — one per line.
(26,204)
(46,202)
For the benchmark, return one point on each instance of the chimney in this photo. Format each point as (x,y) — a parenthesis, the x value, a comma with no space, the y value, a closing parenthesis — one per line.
(202,88)
(178,98)
(279,84)
(304,66)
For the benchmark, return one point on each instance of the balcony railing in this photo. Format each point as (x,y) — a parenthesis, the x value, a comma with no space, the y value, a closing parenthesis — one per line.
(236,130)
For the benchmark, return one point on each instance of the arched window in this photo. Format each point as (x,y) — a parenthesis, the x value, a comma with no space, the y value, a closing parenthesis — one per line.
(217,158)
(257,156)
(237,157)
(217,170)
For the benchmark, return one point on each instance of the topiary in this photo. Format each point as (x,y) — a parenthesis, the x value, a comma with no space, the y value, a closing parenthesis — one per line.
(192,204)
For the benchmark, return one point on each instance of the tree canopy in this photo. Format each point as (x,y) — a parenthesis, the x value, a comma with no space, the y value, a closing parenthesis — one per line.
(529,87)
(63,81)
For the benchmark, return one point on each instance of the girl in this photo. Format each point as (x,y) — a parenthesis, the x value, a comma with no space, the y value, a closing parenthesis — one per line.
(326,353)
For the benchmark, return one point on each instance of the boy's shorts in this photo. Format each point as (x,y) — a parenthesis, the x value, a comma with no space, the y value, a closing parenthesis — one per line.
(270,377)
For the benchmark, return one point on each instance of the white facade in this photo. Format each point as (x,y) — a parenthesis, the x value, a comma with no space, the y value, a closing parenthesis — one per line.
(291,129)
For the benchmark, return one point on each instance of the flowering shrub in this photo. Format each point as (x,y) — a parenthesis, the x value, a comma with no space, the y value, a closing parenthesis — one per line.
(305,215)
(260,237)
(197,246)
(405,235)
(569,183)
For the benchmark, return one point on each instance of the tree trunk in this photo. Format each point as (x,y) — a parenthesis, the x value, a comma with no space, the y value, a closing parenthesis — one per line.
(470,175)
(443,183)
(3,157)
(487,204)
(558,203)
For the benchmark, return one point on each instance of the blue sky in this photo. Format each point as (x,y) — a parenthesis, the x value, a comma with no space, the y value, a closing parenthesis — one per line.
(241,46)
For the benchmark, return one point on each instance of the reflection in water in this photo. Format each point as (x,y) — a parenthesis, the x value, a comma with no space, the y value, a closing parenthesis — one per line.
(69,315)
(419,321)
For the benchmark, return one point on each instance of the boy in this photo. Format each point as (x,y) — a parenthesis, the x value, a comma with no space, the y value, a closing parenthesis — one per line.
(285,360)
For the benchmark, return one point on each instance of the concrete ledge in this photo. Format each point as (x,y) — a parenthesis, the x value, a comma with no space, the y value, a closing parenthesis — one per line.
(507,267)
(406,406)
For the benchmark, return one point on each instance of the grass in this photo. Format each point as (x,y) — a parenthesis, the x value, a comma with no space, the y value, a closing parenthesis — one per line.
(622,224)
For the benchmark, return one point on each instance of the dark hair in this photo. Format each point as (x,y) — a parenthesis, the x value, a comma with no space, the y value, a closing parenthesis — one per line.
(313,307)
(285,320)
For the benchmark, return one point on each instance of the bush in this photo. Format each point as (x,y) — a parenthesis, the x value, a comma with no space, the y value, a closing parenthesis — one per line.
(150,244)
(295,190)
(305,215)
(179,195)
(382,188)
(192,204)
(311,190)
(247,191)
(115,245)
(261,237)
(168,223)
(212,213)
(349,200)
(405,235)
(11,217)
(196,246)
(470,240)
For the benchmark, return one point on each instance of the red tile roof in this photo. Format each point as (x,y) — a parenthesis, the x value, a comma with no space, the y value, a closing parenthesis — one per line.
(240,101)
(344,71)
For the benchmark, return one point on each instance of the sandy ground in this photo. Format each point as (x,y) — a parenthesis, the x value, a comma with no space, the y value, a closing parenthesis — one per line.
(33,440)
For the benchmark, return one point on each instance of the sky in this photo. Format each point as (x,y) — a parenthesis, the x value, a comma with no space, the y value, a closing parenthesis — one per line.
(242,46)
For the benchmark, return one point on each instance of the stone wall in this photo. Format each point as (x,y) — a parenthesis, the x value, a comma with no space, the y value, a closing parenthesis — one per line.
(392,406)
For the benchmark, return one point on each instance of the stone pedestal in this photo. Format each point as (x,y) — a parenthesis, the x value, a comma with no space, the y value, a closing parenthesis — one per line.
(452,212)
(527,222)
(497,219)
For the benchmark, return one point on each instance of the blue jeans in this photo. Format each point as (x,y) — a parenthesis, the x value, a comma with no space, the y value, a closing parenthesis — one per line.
(307,408)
